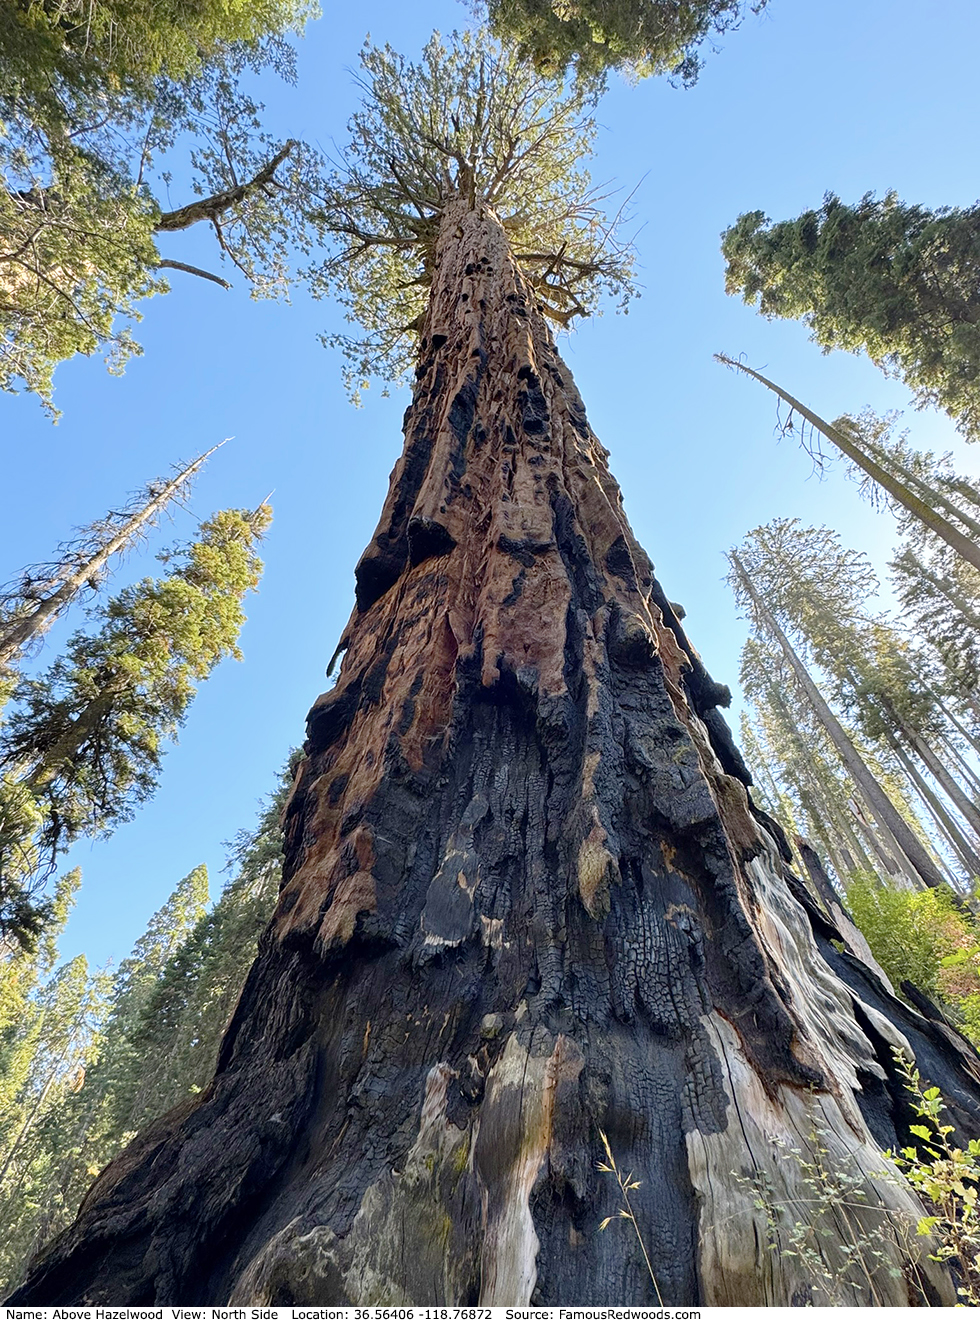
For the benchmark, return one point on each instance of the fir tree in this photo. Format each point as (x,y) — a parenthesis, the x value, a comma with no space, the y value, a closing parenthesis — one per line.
(942,597)
(40,594)
(819,590)
(898,281)
(83,744)
(882,468)
(156,1041)
(62,1032)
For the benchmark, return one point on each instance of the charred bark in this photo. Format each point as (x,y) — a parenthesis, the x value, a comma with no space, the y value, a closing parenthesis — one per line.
(524,901)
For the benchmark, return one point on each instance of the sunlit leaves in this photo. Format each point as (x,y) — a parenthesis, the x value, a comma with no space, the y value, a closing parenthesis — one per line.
(471,120)
(640,37)
(94,94)
(82,746)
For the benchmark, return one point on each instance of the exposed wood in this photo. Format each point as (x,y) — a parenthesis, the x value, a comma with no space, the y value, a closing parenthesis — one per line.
(524,902)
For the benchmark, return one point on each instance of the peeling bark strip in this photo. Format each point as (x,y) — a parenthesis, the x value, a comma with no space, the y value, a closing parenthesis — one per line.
(524,901)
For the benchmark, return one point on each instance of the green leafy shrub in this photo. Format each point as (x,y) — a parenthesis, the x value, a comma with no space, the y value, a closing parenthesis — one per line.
(923,937)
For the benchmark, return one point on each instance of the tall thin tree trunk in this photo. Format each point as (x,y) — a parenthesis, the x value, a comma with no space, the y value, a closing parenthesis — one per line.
(778,702)
(878,801)
(53,759)
(968,773)
(922,509)
(72,579)
(818,824)
(954,721)
(893,862)
(934,765)
(947,590)
(524,905)
(941,816)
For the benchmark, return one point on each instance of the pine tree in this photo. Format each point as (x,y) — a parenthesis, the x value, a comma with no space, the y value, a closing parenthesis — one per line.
(881,466)
(526,910)
(42,593)
(889,818)
(62,1032)
(887,277)
(156,1044)
(798,754)
(819,590)
(179,1029)
(83,745)
(943,601)
(74,1098)
(21,972)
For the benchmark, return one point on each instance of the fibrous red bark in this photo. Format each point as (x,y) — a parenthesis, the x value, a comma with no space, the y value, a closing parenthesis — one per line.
(526,899)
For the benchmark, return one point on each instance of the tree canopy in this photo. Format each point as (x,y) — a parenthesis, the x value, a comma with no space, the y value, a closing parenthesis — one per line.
(896,280)
(471,120)
(82,746)
(40,593)
(640,37)
(93,97)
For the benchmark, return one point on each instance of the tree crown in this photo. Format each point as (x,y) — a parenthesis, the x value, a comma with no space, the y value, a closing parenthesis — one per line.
(896,280)
(640,37)
(470,121)
(93,93)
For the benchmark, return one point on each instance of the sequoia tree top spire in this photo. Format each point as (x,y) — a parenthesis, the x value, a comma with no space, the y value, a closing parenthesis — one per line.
(470,122)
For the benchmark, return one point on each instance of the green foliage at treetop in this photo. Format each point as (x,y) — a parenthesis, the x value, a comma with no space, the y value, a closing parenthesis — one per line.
(82,746)
(474,121)
(639,37)
(96,96)
(892,279)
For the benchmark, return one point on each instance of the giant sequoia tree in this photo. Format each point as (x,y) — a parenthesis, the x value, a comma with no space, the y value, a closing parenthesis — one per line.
(526,902)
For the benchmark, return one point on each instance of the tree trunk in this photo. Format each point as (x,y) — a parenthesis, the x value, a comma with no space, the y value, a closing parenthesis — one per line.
(893,862)
(934,765)
(899,492)
(966,772)
(958,842)
(523,903)
(815,786)
(945,589)
(877,800)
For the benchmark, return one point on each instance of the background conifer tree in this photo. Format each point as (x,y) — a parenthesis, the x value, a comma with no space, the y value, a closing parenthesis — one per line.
(82,744)
(889,278)
(154,1044)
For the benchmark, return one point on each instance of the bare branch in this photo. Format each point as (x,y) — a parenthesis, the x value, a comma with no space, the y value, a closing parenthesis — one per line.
(169,265)
(210,208)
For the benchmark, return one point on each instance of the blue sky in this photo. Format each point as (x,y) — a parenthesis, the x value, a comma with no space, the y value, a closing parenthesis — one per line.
(814,95)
